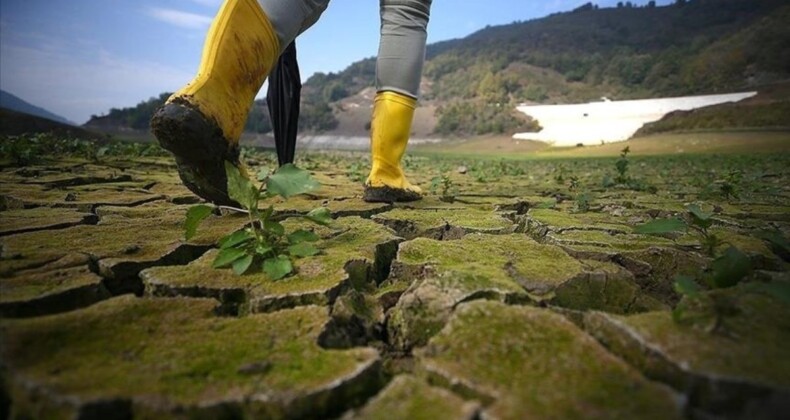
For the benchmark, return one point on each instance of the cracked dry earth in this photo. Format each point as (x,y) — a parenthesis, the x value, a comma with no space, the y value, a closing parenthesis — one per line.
(504,303)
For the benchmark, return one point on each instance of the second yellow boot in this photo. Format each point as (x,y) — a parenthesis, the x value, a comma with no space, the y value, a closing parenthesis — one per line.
(390,128)
(201,124)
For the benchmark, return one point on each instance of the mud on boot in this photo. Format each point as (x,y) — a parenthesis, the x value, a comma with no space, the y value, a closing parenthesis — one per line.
(199,147)
(389,195)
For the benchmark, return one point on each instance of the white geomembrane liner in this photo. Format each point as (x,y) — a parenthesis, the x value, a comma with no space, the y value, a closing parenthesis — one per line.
(609,121)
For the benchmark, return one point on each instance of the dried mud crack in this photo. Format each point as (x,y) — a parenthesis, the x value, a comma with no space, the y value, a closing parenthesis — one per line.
(507,300)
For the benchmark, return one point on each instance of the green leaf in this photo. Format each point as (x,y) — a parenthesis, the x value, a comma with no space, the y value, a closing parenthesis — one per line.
(263,173)
(435,183)
(303,249)
(195,215)
(622,165)
(699,217)
(302,236)
(241,265)
(686,286)
(278,267)
(227,256)
(274,227)
(730,268)
(697,212)
(240,188)
(321,215)
(661,226)
(290,180)
(263,250)
(235,238)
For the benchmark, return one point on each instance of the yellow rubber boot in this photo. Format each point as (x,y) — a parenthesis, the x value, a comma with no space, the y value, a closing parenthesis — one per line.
(389,135)
(201,123)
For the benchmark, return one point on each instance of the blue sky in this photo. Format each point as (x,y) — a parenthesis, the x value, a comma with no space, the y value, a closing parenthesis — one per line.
(82,57)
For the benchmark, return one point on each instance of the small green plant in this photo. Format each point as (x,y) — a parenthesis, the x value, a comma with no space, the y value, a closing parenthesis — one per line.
(583,201)
(445,187)
(701,298)
(697,220)
(728,188)
(264,244)
(729,185)
(574,183)
(623,179)
(559,174)
(356,172)
(622,166)
(20,151)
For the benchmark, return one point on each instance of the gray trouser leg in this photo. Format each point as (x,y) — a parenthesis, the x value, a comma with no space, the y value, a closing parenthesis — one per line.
(402,45)
(292,17)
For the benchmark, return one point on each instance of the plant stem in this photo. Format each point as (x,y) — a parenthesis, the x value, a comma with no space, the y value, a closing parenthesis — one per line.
(234,209)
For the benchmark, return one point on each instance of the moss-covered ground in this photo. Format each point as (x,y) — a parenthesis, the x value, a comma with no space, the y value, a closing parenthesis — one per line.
(514,289)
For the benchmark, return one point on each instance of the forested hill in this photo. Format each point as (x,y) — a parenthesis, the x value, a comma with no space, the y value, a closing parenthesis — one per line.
(691,47)
(629,51)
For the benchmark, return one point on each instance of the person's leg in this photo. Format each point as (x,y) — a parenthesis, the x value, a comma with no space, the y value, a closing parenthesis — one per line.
(398,72)
(201,123)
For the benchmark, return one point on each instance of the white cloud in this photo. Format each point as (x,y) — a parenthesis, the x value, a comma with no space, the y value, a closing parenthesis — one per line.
(76,82)
(207,2)
(181,19)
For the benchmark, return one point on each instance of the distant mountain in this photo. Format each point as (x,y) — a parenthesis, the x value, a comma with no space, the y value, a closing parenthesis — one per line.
(13,123)
(14,103)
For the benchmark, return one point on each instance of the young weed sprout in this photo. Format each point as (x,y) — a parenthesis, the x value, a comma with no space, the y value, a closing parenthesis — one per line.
(701,297)
(445,187)
(265,244)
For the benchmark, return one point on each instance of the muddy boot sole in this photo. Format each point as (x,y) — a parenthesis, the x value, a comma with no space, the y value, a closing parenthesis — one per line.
(200,150)
(389,195)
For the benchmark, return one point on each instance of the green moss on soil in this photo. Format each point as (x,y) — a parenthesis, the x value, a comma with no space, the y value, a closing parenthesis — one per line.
(408,397)
(753,348)
(42,218)
(145,211)
(36,285)
(347,240)
(604,287)
(557,220)
(534,363)
(119,239)
(486,257)
(37,195)
(337,203)
(585,240)
(748,244)
(176,351)
(412,223)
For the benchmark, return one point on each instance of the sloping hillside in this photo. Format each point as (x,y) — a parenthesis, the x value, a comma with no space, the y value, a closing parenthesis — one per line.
(15,103)
(13,123)
(769,110)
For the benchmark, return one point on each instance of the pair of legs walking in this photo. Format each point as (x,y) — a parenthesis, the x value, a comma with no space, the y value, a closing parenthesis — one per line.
(202,123)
